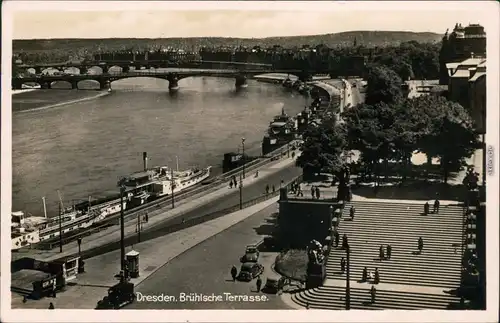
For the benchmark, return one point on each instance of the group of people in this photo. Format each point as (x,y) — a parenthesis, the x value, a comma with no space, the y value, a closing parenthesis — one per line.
(234,275)
(268,188)
(315,193)
(435,209)
(233,182)
(295,188)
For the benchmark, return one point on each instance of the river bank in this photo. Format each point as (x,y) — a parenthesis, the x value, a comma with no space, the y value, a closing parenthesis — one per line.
(44,99)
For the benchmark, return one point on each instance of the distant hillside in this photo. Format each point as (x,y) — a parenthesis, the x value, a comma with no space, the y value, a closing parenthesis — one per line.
(366,38)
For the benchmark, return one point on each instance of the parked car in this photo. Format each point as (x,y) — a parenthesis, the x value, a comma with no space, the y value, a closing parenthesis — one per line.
(250,270)
(251,254)
(274,284)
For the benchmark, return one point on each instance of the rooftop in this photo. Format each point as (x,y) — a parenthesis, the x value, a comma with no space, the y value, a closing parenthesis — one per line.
(461,73)
(477,76)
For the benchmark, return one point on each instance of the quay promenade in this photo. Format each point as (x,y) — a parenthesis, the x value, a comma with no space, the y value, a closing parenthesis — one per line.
(92,286)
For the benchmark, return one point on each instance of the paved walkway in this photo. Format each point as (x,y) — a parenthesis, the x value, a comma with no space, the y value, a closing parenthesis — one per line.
(92,286)
(112,234)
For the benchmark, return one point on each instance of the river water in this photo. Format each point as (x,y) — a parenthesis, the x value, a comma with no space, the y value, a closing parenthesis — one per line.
(82,149)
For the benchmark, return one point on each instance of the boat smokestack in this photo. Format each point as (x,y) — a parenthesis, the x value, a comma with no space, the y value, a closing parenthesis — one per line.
(145,159)
(44,207)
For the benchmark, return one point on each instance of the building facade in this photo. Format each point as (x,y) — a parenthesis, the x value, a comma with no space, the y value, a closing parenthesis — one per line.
(460,44)
(467,86)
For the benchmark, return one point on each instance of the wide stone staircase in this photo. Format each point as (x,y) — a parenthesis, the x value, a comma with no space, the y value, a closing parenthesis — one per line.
(408,280)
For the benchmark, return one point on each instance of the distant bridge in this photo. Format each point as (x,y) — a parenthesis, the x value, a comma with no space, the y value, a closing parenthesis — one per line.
(172,75)
(125,65)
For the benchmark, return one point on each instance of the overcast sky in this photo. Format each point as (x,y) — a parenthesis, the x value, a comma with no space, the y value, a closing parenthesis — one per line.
(156,20)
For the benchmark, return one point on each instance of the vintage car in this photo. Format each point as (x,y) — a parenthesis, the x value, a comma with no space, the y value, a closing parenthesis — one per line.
(251,254)
(274,284)
(250,270)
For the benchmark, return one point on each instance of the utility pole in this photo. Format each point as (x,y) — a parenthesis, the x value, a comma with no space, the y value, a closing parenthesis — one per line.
(244,159)
(122,229)
(348,279)
(241,192)
(172,185)
(139,227)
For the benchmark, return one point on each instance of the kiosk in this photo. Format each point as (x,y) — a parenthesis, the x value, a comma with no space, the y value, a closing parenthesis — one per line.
(133,263)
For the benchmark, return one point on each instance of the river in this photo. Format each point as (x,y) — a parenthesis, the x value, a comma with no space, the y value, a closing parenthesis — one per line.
(83,149)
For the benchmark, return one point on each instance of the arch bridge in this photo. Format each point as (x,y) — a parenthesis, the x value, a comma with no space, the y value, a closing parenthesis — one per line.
(171,75)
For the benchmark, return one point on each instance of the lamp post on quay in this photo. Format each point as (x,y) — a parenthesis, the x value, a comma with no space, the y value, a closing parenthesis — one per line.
(122,229)
(244,159)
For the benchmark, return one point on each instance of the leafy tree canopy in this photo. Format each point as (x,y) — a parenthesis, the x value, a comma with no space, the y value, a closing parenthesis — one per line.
(384,85)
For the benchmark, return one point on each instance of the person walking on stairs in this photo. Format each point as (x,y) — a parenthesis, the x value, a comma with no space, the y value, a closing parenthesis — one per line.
(342,264)
(377,277)
(344,241)
(234,273)
(373,292)
(436,206)
(420,244)
(381,253)
(426,208)
(352,211)
(364,276)
(336,237)
(389,251)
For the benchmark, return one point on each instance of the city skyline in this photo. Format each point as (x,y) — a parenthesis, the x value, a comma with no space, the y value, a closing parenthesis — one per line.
(242,21)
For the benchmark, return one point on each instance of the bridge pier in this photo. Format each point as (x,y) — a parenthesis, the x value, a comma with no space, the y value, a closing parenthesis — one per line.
(38,70)
(241,82)
(173,83)
(125,69)
(74,85)
(83,70)
(104,84)
(105,68)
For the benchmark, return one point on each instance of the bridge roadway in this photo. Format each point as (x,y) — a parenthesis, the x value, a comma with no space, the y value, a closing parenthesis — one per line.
(170,74)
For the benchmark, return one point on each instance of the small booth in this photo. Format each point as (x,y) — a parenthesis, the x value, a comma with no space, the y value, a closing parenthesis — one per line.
(133,263)
(70,267)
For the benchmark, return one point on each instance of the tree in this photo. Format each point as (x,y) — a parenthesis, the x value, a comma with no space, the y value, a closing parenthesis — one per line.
(323,147)
(449,135)
(384,85)
(370,131)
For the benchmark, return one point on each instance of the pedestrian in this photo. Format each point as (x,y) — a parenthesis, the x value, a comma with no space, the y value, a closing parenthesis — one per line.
(337,238)
(420,244)
(51,306)
(234,273)
(436,206)
(267,189)
(312,191)
(377,277)
(342,264)
(259,284)
(352,211)
(317,193)
(389,251)
(274,188)
(373,291)
(231,184)
(146,217)
(426,208)
(25,299)
(381,253)
(344,241)
(364,276)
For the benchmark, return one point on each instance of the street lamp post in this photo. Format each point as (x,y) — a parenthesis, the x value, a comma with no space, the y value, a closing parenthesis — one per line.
(244,159)
(79,246)
(122,229)
(348,279)
(241,193)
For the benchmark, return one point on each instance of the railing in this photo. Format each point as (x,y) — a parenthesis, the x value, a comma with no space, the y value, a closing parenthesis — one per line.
(157,231)
(164,201)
